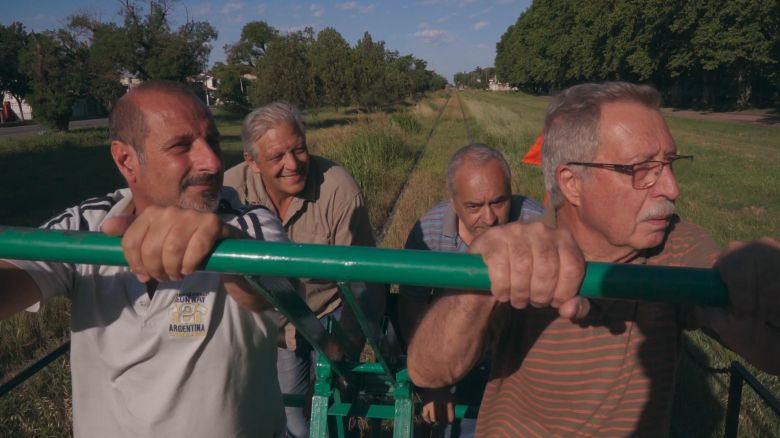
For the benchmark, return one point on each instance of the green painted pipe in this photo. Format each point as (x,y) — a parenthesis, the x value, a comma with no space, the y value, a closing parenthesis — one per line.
(380,265)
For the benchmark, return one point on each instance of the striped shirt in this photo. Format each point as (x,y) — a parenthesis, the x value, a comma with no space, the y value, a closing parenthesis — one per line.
(188,361)
(609,375)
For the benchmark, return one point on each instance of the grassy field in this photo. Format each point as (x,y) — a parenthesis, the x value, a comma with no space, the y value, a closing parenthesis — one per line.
(732,190)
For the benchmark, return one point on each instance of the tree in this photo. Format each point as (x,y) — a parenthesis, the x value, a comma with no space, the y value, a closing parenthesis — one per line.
(145,46)
(368,68)
(255,38)
(231,89)
(56,64)
(13,40)
(330,61)
(284,72)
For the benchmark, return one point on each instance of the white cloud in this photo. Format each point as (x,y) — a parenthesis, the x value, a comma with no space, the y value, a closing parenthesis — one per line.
(238,19)
(435,36)
(317,10)
(367,9)
(201,9)
(231,7)
(445,18)
(479,25)
(424,25)
(347,5)
(482,12)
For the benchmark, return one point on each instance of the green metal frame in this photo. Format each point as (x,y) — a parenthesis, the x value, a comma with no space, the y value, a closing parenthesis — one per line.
(267,263)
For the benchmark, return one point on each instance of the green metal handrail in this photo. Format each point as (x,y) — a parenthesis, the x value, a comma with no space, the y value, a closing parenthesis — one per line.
(378,265)
(270,260)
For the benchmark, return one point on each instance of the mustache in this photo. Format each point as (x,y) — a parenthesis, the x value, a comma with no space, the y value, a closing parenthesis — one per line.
(212,179)
(662,209)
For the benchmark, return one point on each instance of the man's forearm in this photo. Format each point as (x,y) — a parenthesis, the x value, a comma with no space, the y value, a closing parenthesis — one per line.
(18,290)
(243,293)
(450,339)
(755,340)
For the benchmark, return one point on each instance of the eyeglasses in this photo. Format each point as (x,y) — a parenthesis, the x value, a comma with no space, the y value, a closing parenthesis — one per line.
(645,174)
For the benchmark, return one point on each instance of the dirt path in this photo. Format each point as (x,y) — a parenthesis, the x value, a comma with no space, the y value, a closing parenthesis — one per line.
(760,119)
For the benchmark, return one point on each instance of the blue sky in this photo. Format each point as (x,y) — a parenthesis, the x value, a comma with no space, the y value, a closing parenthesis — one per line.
(452,35)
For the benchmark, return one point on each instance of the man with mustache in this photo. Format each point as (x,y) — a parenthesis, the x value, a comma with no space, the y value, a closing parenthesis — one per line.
(317,201)
(566,365)
(158,348)
(479,185)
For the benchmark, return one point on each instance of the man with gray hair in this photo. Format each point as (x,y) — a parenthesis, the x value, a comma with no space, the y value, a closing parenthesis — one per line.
(317,201)
(479,187)
(566,365)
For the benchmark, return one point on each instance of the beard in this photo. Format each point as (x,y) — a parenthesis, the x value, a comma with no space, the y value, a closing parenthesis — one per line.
(207,200)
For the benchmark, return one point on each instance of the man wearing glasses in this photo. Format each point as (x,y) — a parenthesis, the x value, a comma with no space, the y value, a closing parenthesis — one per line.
(566,365)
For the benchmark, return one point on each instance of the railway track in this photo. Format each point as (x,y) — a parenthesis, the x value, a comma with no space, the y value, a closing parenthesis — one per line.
(420,153)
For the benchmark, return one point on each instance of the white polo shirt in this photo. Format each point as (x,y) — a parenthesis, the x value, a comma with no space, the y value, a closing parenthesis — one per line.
(188,362)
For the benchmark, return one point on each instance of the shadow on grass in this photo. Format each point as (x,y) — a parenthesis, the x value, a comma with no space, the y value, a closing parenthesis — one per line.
(771,117)
(38,185)
(696,410)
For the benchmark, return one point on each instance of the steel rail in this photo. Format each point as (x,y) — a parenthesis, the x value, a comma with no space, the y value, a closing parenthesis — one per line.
(379,265)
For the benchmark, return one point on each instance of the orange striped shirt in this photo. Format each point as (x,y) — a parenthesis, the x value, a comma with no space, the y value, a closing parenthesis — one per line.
(609,375)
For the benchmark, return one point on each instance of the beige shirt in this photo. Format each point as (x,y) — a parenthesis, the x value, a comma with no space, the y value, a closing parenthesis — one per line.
(330,210)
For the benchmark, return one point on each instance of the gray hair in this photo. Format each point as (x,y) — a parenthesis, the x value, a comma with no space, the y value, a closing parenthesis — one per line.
(478,154)
(571,126)
(265,118)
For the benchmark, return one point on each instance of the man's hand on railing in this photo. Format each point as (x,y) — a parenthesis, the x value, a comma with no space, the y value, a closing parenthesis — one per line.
(751,325)
(531,264)
(168,243)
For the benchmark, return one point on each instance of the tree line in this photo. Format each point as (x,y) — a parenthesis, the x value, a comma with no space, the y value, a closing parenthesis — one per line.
(476,79)
(314,70)
(708,53)
(88,58)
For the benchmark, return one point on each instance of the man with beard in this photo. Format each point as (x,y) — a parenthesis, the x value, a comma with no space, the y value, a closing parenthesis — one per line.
(157,348)
(566,365)
(479,185)
(317,201)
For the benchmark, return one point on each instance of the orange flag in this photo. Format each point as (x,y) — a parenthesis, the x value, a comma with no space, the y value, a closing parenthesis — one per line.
(534,155)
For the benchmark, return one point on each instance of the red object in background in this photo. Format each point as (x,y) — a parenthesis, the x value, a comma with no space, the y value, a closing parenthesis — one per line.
(6,111)
(534,155)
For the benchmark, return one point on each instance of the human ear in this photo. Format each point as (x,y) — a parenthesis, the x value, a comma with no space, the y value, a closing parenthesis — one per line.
(569,183)
(251,163)
(126,159)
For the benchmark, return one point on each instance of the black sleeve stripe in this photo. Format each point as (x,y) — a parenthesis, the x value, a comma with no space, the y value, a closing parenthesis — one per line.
(57,219)
(258,227)
(83,224)
(242,223)
(103,200)
(103,207)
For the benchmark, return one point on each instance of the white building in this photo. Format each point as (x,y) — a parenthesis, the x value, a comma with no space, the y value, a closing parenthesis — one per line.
(494,85)
(20,113)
